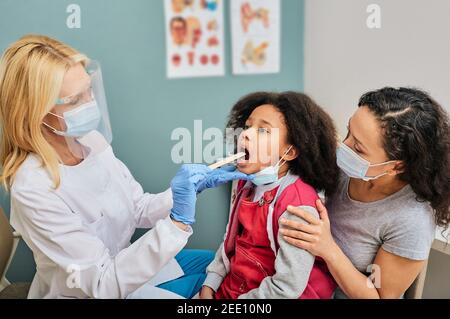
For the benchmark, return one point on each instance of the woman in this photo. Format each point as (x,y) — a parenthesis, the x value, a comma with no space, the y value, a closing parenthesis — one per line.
(74,203)
(393,192)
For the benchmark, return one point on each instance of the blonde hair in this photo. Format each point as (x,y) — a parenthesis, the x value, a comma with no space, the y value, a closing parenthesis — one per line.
(31,75)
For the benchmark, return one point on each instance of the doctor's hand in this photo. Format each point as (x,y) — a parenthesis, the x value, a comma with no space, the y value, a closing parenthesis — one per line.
(221,176)
(184,191)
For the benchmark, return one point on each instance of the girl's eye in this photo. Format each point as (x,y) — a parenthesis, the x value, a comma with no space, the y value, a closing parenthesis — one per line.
(263,130)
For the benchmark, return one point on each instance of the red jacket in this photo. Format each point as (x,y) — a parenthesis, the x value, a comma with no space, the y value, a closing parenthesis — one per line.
(251,245)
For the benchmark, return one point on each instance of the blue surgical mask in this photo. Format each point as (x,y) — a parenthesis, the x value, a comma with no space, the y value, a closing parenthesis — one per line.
(79,121)
(354,165)
(269,174)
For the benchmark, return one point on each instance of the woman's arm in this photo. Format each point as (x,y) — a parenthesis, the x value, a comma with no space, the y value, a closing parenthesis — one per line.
(391,275)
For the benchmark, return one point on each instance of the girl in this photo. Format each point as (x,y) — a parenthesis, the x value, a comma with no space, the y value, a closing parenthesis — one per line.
(254,261)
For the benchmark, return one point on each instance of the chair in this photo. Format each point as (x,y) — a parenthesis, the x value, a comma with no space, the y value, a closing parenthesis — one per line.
(416,289)
(439,244)
(8,245)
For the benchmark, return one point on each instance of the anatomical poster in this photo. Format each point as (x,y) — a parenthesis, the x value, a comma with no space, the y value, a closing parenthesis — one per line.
(194,38)
(255,30)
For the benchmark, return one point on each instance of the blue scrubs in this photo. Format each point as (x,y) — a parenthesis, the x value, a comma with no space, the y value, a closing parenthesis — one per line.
(194,263)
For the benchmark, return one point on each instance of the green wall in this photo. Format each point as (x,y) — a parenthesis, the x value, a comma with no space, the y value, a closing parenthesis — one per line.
(127,37)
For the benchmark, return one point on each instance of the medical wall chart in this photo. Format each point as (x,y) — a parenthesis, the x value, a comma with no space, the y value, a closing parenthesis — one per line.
(194,38)
(255,30)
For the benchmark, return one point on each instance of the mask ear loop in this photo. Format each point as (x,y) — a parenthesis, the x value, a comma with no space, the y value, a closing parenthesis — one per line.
(282,157)
(58,116)
(385,163)
(57,132)
(367,179)
(370,178)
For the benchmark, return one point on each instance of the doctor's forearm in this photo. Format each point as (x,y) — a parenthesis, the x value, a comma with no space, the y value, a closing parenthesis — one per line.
(146,254)
(150,208)
(352,282)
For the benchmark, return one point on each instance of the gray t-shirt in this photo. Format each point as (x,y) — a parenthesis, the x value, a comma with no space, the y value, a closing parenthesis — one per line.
(399,224)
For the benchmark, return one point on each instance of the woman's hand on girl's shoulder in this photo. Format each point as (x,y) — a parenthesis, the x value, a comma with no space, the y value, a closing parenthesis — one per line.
(315,236)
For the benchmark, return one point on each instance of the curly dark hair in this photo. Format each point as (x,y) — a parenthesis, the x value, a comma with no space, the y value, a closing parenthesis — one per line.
(416,131)
(310,130)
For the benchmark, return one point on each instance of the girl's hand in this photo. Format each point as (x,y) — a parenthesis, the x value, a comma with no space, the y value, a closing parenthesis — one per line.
(206,293)
(315,236)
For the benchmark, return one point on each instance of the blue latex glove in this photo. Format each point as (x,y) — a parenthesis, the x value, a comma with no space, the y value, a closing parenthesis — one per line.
(184,191)
(221,176)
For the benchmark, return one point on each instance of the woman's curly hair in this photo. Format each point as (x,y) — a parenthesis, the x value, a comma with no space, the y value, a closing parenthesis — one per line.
(416,131)
(310,130)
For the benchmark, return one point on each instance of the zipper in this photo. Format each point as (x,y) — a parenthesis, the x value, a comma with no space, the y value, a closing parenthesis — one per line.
(255,261)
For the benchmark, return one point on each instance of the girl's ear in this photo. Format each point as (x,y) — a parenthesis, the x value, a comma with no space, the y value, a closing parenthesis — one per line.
(292,154)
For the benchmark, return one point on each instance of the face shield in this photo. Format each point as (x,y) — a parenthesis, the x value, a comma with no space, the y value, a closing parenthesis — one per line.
(82,118)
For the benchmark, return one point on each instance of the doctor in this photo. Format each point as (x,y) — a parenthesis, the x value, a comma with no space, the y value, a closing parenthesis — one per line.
(74,203)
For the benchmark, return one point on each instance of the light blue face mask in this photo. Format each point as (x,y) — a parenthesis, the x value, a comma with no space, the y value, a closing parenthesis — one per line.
(354,165)
(79,121)
(269,174)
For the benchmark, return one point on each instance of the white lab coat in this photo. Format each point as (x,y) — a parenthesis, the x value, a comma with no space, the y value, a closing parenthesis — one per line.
(80,233)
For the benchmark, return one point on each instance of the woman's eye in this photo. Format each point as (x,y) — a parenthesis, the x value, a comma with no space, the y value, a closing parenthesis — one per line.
(75,101)
(357,150)
(263,130)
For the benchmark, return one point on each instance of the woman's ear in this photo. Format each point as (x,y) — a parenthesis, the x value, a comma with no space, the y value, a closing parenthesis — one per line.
(397,168)
(292,154)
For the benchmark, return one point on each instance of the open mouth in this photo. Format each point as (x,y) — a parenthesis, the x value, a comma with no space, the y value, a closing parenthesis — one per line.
(246,158)
(247,155)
